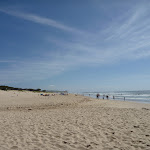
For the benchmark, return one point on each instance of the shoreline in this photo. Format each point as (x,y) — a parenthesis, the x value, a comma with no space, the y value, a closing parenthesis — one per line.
(27,99)
(126,99)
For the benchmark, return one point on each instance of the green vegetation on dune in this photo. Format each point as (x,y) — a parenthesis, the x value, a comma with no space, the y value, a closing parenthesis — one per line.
(5,88)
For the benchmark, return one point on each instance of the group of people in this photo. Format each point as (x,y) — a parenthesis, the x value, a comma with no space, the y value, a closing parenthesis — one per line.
(45,95)
(98,95)
(107,97)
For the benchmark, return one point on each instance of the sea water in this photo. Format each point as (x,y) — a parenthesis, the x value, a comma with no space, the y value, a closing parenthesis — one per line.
(136,96)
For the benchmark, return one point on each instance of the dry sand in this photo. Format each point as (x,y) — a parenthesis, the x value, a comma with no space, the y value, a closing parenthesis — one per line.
(32,122)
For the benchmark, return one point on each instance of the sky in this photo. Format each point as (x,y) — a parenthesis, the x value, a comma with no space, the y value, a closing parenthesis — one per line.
(75,45)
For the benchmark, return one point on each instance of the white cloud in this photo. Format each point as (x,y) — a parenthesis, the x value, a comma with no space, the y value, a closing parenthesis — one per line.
(51,85)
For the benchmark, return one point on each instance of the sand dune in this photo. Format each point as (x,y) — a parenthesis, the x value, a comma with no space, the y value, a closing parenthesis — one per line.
(32,122)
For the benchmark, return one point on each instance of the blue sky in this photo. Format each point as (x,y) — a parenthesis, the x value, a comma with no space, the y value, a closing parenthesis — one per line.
(77,45)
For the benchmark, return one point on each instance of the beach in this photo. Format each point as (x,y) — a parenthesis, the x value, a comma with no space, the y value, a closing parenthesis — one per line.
(29,121)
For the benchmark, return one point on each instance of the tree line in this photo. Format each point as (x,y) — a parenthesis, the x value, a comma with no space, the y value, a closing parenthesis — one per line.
(5,88)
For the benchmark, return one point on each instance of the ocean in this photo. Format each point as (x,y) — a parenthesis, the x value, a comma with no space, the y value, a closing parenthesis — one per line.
(136,96)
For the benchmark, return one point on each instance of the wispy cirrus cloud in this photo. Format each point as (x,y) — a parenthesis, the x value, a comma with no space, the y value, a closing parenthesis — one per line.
(126,39)
(41,20)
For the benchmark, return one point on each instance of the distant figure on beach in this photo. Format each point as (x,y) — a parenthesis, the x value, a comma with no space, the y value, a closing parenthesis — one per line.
(89,94)
(97,96)
(107,96)
(124,98)
(103,96)
(113,97)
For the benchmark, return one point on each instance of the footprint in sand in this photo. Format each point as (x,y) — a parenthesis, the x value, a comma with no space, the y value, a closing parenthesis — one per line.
(14,147)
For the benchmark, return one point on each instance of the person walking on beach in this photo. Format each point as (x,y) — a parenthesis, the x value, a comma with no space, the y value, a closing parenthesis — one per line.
(124,98)
(97,96)
(103,96)
(113,97)
(107,96)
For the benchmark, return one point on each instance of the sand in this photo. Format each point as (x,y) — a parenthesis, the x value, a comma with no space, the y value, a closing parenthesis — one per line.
(32,122)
